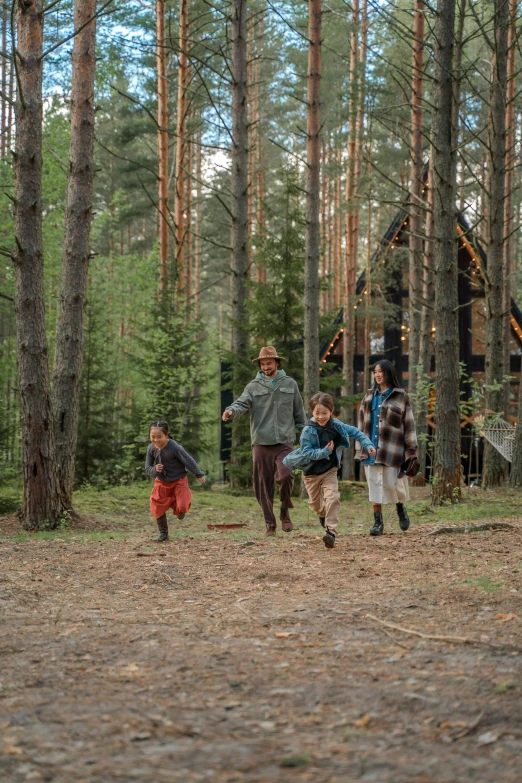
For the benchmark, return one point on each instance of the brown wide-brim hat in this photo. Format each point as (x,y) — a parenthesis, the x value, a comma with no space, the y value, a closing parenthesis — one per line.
(268,352)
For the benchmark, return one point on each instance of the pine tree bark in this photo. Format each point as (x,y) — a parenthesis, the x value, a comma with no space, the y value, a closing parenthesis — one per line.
(338,228)
(76,253)
(368,299)
(426,338)
(313,184)
(163,145)
(180,176)
(3,101)
(189,258)
(447,467)
(495,468)
(349,337)
(198,245)
(42,500)
(416,203)
(323,231)
(508,199)
(239,341)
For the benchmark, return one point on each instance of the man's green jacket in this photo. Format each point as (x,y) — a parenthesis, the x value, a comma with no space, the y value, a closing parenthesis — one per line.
(275,407)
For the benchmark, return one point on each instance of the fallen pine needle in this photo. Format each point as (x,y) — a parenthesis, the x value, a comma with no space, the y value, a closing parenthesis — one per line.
(471,528)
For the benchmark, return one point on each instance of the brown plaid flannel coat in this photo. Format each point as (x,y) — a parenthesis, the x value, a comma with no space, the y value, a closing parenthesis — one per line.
(397,436)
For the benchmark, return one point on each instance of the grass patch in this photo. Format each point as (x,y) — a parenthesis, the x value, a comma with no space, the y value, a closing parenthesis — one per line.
(70,536)
(125,509)
(505,687)
(487,584)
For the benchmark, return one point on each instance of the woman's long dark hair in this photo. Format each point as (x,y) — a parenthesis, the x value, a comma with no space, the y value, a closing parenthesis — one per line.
(390,373)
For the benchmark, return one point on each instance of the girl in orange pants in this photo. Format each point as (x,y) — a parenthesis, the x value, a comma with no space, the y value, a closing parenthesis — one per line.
(168,463)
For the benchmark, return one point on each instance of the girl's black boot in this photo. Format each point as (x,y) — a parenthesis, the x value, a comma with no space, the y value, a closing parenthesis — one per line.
(404,520)
(163,528)
(378,525)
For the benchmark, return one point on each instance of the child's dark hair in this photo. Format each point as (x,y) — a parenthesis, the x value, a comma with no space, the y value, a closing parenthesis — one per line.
(321,398)
(162,425)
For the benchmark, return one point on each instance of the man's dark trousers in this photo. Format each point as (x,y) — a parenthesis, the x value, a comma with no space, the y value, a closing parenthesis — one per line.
(269,468)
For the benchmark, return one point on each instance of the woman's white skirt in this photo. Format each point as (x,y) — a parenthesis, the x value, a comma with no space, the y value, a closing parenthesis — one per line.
(385,486)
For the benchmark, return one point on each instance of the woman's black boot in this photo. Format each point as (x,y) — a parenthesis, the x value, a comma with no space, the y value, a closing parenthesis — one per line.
(163,528)
(404,520)
(378,525)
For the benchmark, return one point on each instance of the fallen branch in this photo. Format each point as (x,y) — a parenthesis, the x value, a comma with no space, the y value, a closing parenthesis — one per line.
(472,528)
(433,636)
(394,640)
(151,554)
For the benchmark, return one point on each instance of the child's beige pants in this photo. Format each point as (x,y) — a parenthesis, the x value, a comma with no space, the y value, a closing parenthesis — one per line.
(324,497)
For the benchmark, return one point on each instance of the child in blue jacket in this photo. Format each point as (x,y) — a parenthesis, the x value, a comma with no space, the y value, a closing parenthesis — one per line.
(319,457)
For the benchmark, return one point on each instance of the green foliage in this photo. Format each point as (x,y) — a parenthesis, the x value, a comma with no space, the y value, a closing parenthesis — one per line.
(173,363)
(276,307)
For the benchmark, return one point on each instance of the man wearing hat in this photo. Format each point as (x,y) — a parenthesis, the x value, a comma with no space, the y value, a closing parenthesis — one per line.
(276,409)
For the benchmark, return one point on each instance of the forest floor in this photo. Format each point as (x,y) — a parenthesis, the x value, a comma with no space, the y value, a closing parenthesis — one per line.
(223,656)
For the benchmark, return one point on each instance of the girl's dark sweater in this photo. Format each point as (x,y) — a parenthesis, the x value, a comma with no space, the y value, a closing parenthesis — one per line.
(326,434)
(175,460)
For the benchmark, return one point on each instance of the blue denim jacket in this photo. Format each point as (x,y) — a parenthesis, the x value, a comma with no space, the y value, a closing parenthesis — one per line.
(309,449)
(377,401)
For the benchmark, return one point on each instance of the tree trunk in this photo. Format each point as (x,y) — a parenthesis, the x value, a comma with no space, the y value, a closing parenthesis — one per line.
(338,230)
(42,500)
(313,147)
(416,201)
(447,468)
(76,253)
(508,201)
(163,144)
(252,135)
(198,245)
(348,387)
(180,175)
(426,339)
(330,233)
(3,102)
(189,260)
(495,468)
(368,299)
(323,231)
(239,342)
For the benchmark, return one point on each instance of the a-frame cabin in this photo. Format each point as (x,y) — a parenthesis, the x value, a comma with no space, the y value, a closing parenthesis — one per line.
(388,333)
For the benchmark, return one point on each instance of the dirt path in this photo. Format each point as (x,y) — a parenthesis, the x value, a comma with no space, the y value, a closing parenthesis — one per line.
(256,661)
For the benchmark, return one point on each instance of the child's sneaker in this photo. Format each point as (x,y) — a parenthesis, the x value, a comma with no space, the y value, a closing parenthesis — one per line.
(329,539)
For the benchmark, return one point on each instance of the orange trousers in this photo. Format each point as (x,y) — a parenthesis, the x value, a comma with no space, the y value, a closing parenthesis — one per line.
(170,494)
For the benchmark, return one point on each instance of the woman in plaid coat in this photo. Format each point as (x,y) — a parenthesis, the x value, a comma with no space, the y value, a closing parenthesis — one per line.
(386,418)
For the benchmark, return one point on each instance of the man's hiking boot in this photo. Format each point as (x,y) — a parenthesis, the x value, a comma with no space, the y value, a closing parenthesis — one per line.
(286,522)
(270,531)
(163,528)
(404,520)
(378,525)
(322,521)
(329,539)
(181,516)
